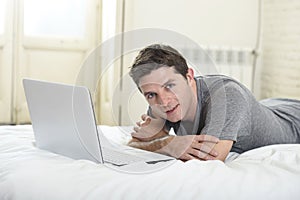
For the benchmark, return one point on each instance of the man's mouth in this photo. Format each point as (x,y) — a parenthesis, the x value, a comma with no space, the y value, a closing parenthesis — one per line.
(172,110)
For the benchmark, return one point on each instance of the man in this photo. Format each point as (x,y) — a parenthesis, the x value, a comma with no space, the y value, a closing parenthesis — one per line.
(211,115)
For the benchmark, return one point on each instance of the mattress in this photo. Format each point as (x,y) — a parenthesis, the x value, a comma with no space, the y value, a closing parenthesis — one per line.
(26,172)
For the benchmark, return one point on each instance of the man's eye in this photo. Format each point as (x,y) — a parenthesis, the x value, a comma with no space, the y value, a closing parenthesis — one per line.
(150,95)
(170,86)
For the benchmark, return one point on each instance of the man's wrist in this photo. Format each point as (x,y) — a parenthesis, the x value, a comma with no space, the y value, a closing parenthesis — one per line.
(164,149)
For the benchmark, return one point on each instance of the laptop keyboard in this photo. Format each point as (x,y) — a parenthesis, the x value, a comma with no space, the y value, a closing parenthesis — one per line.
(120,158)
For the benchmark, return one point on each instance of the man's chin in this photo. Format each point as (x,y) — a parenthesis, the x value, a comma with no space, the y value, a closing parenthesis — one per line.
(173,119)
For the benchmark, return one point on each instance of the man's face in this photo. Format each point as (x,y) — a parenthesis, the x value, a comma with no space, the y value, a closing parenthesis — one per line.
(169,94)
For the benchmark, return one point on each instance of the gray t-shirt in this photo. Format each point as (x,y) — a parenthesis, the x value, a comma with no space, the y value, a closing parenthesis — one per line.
(228,110)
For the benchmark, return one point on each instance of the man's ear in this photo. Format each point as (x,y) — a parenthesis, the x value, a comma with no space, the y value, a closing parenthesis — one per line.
(190,75)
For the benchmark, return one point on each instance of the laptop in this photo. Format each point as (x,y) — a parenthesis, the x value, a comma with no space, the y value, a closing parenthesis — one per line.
(63,122)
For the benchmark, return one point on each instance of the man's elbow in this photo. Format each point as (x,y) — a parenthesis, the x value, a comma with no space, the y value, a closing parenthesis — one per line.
(223,148)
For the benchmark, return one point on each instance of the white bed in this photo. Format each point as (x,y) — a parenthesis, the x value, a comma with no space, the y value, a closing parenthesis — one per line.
(271,172)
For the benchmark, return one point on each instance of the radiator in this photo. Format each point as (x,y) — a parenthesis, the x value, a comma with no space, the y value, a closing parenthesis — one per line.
(230,61)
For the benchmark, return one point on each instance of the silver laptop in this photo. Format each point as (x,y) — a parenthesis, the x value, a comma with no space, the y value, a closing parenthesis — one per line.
(63,122)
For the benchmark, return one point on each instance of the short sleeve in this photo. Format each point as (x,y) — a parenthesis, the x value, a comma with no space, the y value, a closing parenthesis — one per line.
(227,112)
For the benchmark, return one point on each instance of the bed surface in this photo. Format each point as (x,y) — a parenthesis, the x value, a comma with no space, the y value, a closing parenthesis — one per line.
(26,172)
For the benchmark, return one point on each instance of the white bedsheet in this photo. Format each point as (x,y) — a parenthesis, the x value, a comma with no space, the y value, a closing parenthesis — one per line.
(271,172)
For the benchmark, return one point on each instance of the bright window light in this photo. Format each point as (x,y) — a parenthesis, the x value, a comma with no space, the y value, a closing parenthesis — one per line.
(55,18)
(2,15)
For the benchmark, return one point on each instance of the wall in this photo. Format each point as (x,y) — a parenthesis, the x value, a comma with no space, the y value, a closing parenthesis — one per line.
(281,49)
(216,22)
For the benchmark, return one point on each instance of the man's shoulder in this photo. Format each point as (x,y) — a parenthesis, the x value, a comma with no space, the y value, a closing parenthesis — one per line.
(217,83)
(217,88)
(214,79)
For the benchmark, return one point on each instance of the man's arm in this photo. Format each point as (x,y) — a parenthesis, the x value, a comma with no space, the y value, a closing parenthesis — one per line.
(203,147)
(223,148)
(183,147)
(151,135)
(153,145)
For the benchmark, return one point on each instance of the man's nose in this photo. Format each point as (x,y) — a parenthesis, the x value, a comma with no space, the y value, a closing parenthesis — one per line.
(164,100)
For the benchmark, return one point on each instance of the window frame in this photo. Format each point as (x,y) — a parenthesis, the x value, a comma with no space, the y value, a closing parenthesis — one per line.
(63,42)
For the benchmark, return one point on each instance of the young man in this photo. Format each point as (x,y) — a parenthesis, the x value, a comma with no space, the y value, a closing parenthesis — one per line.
(211,115)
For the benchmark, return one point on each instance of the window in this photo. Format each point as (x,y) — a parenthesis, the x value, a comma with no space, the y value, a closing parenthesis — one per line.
(55,18)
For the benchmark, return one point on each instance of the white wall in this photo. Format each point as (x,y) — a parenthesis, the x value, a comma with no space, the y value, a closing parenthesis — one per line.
(215,22)
(281,49)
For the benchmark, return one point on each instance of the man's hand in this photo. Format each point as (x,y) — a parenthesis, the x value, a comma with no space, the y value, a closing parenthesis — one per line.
(151,136)
(149,128)
(191,147)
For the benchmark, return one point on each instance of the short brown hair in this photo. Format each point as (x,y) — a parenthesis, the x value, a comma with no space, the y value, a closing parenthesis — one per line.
(155,56)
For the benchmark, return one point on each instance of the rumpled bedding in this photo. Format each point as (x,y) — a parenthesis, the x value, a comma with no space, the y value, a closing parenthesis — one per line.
(29,173)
